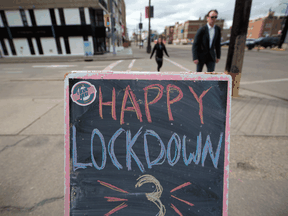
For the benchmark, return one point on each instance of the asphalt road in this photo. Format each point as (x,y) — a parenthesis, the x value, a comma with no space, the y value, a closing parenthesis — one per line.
(264,71)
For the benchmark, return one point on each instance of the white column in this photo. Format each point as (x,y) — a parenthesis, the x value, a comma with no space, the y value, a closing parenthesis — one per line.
(58,21)
(63,45)
(8,47)
(35,46)
(87,16)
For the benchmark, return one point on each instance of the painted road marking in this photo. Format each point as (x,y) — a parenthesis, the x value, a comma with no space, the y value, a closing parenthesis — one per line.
(52,66)
(264,81)
(6,69)
(13,72)
(131,65)
(177,64)
(95,66)
(111,66)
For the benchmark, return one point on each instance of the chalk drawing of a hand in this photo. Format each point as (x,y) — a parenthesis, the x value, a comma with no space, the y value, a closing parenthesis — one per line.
(155,195)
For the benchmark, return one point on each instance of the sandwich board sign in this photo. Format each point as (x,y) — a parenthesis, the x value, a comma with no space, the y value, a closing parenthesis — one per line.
(147,143)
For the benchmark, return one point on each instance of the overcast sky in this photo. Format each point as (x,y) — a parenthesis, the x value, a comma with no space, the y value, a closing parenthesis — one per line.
(167,12)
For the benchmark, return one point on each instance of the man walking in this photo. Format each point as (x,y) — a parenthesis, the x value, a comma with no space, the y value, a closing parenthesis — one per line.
(206,41)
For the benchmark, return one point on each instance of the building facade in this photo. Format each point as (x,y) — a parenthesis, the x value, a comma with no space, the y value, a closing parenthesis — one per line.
(124,27)
(265,26)
(169,30)
(35,28)
(226,34)
(186,32)
(175,33)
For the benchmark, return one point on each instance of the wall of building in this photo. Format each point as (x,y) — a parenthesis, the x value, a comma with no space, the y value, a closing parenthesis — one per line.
(38,31)
(190,29)
(225,34)
(36,4)
(169,30)
(265,26)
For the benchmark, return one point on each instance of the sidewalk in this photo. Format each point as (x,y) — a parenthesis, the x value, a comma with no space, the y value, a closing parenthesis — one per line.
(255,114)
(125,53)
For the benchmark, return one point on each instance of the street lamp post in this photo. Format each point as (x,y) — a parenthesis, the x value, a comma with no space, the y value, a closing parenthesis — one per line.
(285,28)
(137,32)
(140,26)
(149,44)
(112,26)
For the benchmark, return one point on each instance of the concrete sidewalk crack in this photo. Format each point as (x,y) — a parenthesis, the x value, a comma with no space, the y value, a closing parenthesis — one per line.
(9,146)
(273,96)
(37,119)
(29,209)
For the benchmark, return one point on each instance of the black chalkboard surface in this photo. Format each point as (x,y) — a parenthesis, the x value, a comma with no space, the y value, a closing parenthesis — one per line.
(146,144)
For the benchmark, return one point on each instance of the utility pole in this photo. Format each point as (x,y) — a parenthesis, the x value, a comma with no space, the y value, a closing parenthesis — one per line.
(112,26)
(136,35)
(285,29)
(140,26)
(149,44)
(236,50)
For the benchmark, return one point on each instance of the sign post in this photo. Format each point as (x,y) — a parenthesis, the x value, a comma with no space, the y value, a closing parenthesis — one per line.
(147,143)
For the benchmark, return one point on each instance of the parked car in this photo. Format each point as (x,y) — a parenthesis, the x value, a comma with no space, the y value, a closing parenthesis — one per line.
(250,43)
(257,41)
(267,42)
(225,43)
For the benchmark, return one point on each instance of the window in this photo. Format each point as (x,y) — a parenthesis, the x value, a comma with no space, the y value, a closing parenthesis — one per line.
(266,34)
(268,25)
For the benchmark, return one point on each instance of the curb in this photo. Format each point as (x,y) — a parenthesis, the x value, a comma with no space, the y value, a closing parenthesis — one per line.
(41,60)
(78,58)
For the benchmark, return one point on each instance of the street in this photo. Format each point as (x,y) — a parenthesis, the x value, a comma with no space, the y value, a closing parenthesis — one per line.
(263,71)
(32,130)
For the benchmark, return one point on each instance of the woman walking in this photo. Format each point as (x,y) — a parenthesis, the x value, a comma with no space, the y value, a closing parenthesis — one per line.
(159,47)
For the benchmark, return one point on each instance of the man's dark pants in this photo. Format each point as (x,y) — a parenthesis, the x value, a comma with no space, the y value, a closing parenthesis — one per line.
(210,66)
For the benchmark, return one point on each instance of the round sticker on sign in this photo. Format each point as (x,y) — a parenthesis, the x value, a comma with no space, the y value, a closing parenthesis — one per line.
(83,93)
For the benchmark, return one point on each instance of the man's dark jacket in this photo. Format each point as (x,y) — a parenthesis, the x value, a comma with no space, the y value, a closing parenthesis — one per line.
(201,50)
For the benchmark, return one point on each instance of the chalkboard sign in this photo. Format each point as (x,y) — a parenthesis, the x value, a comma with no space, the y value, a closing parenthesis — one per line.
(147,143)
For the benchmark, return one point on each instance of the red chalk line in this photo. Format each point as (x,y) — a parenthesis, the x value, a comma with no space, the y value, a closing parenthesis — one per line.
(114,199)
(180,186)
(112,187)
(188,203)
(121,206)
(176,210)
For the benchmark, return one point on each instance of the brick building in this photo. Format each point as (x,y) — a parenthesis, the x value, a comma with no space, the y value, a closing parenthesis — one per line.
(265,26)
(187,30)
(175,32)
(123,20)
(226,34)
(169,30)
